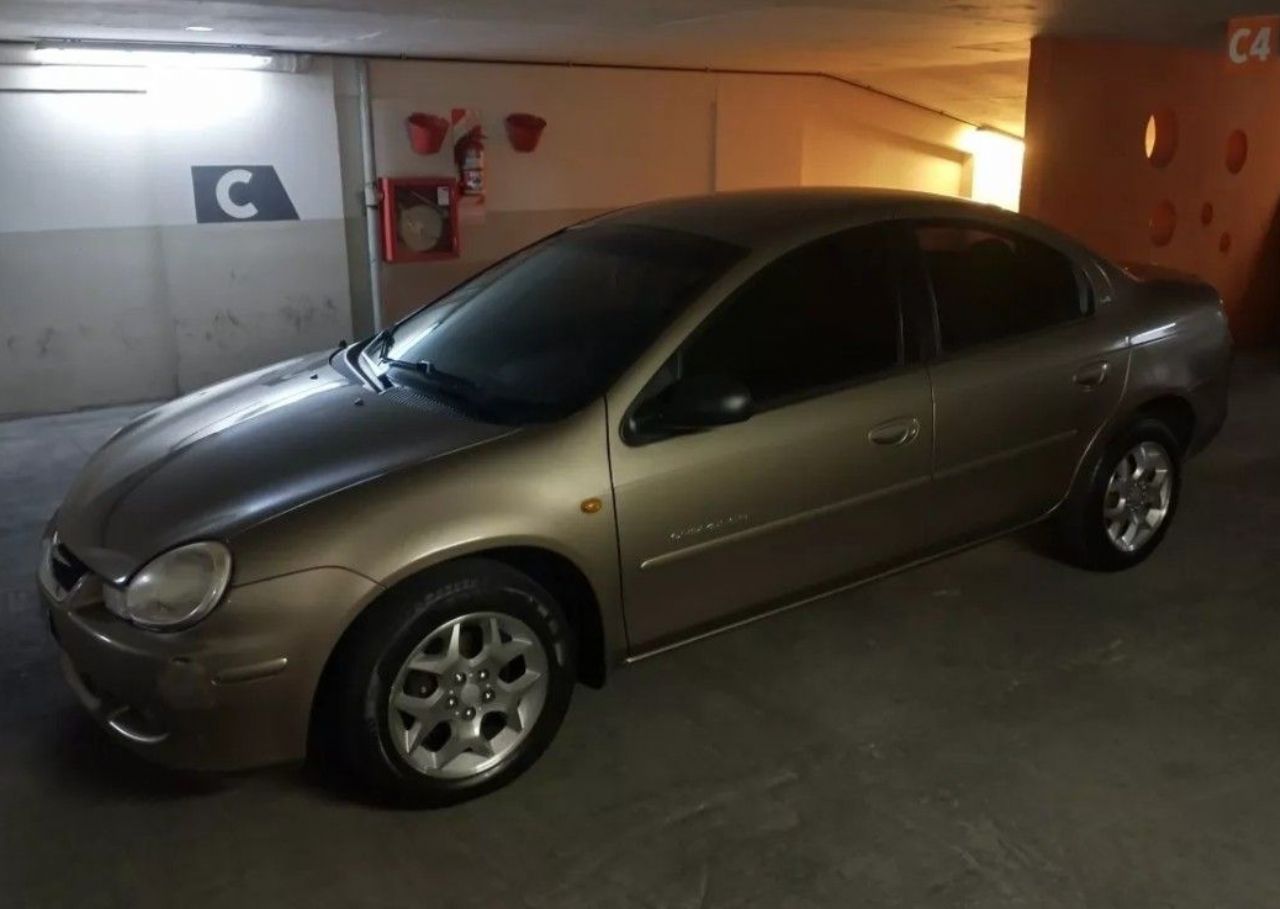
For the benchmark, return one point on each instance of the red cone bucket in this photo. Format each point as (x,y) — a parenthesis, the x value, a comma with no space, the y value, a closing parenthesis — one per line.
(426,132)
(524,131)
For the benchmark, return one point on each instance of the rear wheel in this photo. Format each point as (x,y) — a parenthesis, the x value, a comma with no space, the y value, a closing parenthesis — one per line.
(455,686)
(1123,505)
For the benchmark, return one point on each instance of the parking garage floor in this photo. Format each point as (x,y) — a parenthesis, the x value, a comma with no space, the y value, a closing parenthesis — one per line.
(994,729)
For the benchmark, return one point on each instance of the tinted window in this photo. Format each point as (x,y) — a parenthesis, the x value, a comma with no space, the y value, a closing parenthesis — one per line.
(818,317)
(540,335)
(991,285)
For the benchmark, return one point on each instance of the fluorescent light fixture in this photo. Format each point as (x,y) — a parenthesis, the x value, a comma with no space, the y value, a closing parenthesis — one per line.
(997,167)
(198,28)
(160,56)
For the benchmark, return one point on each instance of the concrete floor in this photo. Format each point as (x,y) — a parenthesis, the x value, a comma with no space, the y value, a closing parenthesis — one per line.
(995,729)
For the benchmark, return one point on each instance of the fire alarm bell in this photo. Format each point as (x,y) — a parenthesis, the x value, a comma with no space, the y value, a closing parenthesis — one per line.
(419,219)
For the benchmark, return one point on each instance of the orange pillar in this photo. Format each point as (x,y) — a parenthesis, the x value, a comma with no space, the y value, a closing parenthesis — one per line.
(1159,154)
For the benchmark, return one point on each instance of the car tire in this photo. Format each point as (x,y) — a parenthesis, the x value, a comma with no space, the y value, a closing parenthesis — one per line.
(474,618)
(1104,524)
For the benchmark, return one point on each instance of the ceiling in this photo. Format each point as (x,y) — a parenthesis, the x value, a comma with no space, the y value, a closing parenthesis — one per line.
(965,57)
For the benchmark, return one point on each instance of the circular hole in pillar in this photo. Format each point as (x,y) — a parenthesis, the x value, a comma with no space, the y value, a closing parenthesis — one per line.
(1206,214)
(1163,222)
(1162,137)
(1237,151)
(1224,243)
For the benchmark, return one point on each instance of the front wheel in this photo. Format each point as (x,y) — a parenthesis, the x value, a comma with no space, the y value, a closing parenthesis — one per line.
(1124,504)
(456,686)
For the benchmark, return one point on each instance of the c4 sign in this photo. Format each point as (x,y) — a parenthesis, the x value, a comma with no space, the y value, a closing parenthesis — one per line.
(1252,41)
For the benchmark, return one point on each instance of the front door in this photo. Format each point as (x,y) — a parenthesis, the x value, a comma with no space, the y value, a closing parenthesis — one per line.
(827,481)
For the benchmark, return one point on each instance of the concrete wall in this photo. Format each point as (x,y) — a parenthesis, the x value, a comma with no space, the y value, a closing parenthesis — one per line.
(617,137)
(1087,170)
(109,290)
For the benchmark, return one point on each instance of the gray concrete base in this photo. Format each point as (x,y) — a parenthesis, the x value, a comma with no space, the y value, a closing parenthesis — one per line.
(131,314)
(995,729)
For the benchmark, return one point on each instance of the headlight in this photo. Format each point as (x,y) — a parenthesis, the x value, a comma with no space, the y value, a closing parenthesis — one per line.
(175,589)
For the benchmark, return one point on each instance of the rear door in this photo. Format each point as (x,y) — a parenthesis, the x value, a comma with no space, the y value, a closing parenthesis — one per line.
(828,479)
(1025,374)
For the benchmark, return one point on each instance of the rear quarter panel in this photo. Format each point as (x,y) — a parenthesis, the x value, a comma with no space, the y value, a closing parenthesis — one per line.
(1180,347)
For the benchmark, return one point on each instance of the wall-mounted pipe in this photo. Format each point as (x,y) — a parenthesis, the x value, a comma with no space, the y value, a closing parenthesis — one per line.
(373,241)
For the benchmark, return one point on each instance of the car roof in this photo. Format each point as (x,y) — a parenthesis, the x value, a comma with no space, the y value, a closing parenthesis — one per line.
(754,218)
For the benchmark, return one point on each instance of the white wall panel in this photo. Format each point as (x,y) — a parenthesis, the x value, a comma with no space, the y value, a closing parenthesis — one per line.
(109,290)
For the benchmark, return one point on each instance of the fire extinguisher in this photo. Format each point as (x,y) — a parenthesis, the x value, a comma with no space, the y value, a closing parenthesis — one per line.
(468,152)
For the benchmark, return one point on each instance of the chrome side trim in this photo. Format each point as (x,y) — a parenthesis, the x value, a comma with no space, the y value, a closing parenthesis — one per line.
(778,523)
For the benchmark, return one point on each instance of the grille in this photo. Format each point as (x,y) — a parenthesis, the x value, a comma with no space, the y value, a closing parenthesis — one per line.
(64,568)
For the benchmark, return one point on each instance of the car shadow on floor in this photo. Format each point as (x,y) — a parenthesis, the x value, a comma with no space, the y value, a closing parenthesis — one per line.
(1039,539)
(82,756)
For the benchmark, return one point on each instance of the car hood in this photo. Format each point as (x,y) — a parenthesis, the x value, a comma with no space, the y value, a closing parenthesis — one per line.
(222,459)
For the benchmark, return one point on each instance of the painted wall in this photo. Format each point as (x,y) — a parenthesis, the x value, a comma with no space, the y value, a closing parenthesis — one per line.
(1087,170)
(618,137)
(109,290)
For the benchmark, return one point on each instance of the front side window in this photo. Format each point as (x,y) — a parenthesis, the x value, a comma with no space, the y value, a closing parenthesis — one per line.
(817,318)
(543,333)
(991,285)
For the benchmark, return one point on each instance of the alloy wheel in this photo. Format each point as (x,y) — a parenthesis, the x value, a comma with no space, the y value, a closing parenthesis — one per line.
(1139,495)
(468,694)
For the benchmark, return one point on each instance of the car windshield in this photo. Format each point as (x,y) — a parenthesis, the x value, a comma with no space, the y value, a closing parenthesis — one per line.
(539,335)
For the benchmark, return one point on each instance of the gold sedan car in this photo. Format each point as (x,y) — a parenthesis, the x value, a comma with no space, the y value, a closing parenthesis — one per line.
(403,554)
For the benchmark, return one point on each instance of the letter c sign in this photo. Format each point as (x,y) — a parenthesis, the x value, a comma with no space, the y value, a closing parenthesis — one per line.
(246,193)
(222,194)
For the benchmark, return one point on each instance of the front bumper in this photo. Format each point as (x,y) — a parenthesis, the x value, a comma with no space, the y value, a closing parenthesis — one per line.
(233,692)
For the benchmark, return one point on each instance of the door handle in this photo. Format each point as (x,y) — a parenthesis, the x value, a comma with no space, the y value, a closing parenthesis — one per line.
(1092,375)
(895,432)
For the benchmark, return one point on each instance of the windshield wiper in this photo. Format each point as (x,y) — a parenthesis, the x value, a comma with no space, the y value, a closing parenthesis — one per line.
(431,371)
(381,342)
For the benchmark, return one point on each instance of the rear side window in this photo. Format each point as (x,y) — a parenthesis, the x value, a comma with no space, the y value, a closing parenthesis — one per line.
(818,317)
(990,285)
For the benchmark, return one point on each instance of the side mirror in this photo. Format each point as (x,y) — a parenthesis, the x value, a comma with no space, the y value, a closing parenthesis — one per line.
(697,402)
